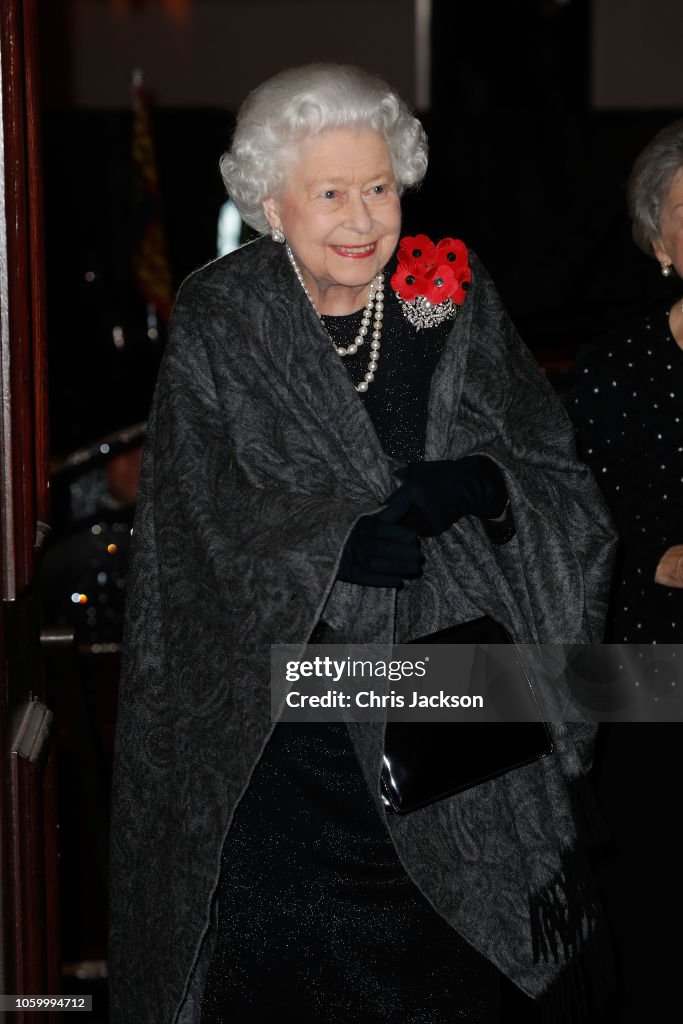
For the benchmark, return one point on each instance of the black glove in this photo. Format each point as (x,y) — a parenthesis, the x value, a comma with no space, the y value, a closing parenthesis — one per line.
(379,552)
(439,493)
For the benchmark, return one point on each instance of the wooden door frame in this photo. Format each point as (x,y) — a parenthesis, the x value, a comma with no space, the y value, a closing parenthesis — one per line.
(28,898)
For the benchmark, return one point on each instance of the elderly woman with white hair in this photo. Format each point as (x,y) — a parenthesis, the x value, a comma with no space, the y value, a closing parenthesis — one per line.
(626,405)
(626,400)
(348,444)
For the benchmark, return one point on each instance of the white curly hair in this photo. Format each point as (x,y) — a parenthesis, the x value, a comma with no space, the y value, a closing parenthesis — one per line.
(301,102)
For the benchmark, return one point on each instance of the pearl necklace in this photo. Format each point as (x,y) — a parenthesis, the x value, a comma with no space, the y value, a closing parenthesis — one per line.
(374,310)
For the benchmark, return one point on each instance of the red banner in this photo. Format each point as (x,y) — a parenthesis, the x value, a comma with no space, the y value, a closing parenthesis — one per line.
(150,258)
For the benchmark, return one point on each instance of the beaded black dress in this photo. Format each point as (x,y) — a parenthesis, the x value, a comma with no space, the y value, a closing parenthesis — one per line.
(316,914)
(627,406)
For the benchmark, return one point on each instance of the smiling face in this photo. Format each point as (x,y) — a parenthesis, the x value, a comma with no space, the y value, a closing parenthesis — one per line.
(341,215)
(668,248)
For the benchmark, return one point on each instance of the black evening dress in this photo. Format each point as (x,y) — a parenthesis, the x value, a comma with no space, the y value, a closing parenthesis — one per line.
(316,914)
(627,406)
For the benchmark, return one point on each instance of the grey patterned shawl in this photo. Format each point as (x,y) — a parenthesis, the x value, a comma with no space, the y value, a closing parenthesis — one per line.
(260,457)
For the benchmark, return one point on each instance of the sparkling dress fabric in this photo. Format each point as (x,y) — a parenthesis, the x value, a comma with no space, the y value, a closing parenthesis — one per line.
(316,914)
(627,406)
(397,399)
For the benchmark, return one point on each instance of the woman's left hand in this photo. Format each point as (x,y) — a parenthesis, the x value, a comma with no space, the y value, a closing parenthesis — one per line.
(439,493)
(669,571)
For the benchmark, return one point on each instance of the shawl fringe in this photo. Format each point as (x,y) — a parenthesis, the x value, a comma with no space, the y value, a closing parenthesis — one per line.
(567,925)
(582,993)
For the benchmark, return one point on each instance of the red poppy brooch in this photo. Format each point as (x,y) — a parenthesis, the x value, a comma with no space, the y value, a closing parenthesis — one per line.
(431,279)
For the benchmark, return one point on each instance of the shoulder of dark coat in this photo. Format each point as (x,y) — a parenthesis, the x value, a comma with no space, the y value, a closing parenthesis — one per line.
(617,347)
(631,336)
(245,270)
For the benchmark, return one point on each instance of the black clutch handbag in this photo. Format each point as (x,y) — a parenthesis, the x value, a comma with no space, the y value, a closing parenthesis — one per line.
(426,762)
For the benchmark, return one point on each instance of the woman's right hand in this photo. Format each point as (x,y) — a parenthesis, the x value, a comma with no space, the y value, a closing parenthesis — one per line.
(669,571)
(380,553)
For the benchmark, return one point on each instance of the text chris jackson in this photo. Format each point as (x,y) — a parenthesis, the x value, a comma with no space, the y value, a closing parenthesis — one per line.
(370,699)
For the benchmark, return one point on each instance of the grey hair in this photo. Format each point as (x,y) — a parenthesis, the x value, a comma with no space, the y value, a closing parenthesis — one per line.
(302,102)
(650,180)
